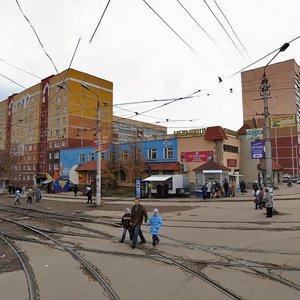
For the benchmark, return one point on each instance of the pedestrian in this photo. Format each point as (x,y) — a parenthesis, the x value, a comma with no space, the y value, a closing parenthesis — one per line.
(88,193)
(232,189)
(243,187)
(269,203)
(29,195)
(75,190)
(275,184)
(204,191)
(138,213)
(255,186)
(126,224)
(17,197)
(155,222)
(209,186)
(37,194)
(289,182)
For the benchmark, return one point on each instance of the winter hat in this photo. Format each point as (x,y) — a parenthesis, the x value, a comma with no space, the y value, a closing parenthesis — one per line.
(155,210)
(127,210)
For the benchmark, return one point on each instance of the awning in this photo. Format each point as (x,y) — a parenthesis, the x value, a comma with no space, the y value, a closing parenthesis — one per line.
(46,181)
(158,178)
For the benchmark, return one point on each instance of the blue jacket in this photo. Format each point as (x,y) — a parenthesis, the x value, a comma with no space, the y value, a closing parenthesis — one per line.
(155,222)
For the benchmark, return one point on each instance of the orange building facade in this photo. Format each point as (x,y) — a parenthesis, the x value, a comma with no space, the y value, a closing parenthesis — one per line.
(57,113)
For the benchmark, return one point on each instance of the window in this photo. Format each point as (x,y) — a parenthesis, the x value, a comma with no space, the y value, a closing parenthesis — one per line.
(81,158)
(57,111)
(29,167)
(50,155)
(92,156)
(55,166)
(152,153)
(50,168)
(57,132)
(229,148)
(168,153)
(33,167)
(50,144)
(24,167)
(57,100)
(56,155)
(30,148)
(56,144)
(63,143)
(57,121)
(64,120)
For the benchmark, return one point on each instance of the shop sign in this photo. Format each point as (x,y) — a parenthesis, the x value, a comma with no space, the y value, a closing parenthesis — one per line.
(191,132)
(196,156)
(231,162)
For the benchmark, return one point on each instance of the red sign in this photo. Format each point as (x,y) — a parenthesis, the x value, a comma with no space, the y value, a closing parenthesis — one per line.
(196,156)
(231,162)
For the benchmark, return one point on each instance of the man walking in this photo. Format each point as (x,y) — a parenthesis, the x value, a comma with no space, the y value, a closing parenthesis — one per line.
(138,213)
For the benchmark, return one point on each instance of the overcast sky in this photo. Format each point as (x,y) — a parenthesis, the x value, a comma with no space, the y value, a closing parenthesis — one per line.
(144,58)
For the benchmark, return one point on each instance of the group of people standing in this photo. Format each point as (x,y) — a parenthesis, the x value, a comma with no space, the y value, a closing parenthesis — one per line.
(30,195)
(132,221)
(216,190)
(263,198)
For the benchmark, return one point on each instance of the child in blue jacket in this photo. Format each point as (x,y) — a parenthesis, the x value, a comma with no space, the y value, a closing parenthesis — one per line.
(155,222)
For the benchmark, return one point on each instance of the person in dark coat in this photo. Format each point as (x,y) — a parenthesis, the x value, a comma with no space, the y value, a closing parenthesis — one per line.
(89,195)
(204,191)
(158,190)
(75,190)
(242,187)
(138,213)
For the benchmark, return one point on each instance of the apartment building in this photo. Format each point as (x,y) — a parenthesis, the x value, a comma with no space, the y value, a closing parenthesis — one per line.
(284,109)
(57,113)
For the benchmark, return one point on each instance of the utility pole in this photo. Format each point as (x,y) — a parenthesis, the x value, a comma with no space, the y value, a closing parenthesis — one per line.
(99,154)
(265,93)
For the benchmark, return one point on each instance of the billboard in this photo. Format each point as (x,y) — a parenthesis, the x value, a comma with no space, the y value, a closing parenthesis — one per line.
(257,150)
(196,156)
(279,122)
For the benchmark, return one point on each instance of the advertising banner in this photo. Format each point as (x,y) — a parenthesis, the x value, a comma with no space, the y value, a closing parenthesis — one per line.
(257,150)
(196,156)
(287,121)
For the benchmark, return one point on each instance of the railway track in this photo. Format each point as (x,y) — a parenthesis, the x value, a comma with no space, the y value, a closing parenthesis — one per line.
(32,287)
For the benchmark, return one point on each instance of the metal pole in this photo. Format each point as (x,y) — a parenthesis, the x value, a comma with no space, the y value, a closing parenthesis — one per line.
(98,178)
(99,156)
(265,90)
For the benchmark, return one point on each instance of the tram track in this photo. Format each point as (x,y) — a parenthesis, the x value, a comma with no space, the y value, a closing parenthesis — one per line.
(238,263)
(31,284)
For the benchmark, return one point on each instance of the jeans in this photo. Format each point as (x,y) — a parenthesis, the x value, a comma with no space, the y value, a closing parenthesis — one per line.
(155,239)
(137,232)
(124,233)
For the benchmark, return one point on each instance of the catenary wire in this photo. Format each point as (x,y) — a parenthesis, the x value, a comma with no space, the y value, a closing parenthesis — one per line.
(100,20)
(170,28)
(235,45)
(13,81)
(231,27)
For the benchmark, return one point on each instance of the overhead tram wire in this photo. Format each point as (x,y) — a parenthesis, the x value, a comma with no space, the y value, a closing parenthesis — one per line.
(100,20)
(170,28)
(204,31)
(231,28)
(18,68)
(37,36)
(293,40)
(22,86)
(235,45)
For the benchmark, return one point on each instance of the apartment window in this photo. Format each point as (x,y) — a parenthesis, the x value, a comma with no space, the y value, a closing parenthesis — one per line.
(64,131)
(56,144)
(24,167)
(168,153)
(50,155)
(29,157)
(63,143)
(57,111)
(65,110)
(50,167)
(57,132)
(28,177)
(50,144)
(33,167)
(57,121)
(30,148)
(229,148)
(55,166)
(81,158)
(56,155)
(23,177)
(29,167)
(57,100)
(152,154)
(64,120)
(92,156)
(25,148)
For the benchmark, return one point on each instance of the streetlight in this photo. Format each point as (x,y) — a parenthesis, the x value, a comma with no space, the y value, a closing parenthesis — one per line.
(98,177)
(265,93)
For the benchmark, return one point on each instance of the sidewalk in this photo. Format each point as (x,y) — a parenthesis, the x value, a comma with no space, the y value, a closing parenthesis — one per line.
(284,193)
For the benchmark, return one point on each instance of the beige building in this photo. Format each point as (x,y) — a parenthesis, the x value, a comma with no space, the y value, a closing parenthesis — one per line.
(284,110)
